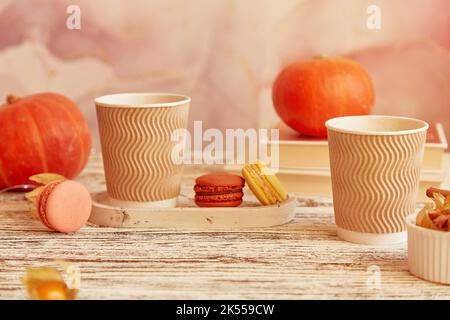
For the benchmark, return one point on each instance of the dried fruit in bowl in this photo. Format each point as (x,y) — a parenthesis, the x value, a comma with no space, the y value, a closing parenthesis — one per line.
(436,216)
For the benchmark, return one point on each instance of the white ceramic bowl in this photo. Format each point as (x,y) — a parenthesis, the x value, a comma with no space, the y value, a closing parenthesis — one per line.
(428,252)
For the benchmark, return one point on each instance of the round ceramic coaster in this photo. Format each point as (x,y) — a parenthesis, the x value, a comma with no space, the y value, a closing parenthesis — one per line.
(250,214)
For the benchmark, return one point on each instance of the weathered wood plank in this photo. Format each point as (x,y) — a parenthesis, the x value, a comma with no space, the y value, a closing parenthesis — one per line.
(303,259)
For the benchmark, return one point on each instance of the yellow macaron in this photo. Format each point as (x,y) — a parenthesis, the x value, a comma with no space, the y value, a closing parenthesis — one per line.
(264,183)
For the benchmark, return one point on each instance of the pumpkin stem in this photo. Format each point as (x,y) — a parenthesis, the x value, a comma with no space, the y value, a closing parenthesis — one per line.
(10,99)
(319,57)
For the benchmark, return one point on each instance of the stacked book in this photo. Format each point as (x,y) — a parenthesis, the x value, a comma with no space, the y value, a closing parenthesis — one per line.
(304,165)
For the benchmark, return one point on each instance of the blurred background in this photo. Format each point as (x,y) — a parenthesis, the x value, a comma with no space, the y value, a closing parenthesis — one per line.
(225,54)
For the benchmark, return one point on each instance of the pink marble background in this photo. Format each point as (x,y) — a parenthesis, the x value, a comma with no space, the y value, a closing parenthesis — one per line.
(224,53)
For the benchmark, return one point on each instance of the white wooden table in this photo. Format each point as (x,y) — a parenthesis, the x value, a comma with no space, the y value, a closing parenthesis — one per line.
(300,260)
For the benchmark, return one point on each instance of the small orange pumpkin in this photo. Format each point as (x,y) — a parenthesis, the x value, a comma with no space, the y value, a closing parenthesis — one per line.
(44,132)
(308,93)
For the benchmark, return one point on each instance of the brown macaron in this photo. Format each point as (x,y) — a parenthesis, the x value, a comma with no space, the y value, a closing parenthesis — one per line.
(219,190)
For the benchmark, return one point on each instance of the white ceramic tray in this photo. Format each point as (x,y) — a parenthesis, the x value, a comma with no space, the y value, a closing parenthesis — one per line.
(250,214)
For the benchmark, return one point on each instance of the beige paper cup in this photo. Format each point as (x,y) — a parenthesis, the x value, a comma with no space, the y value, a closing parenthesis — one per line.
(375,166)
(135,135)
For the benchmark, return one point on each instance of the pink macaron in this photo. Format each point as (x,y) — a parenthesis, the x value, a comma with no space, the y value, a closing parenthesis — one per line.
(64,206)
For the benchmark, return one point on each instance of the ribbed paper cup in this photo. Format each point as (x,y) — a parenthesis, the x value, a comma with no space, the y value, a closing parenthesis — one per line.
(428,252)
(375,168)
(136,141)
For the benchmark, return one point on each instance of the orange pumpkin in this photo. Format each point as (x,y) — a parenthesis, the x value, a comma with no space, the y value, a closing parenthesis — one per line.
(44,132)
(308,93)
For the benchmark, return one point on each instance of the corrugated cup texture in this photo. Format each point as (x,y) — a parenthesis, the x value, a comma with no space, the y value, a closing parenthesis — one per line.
(428,253)
(375,179)
(136,147)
